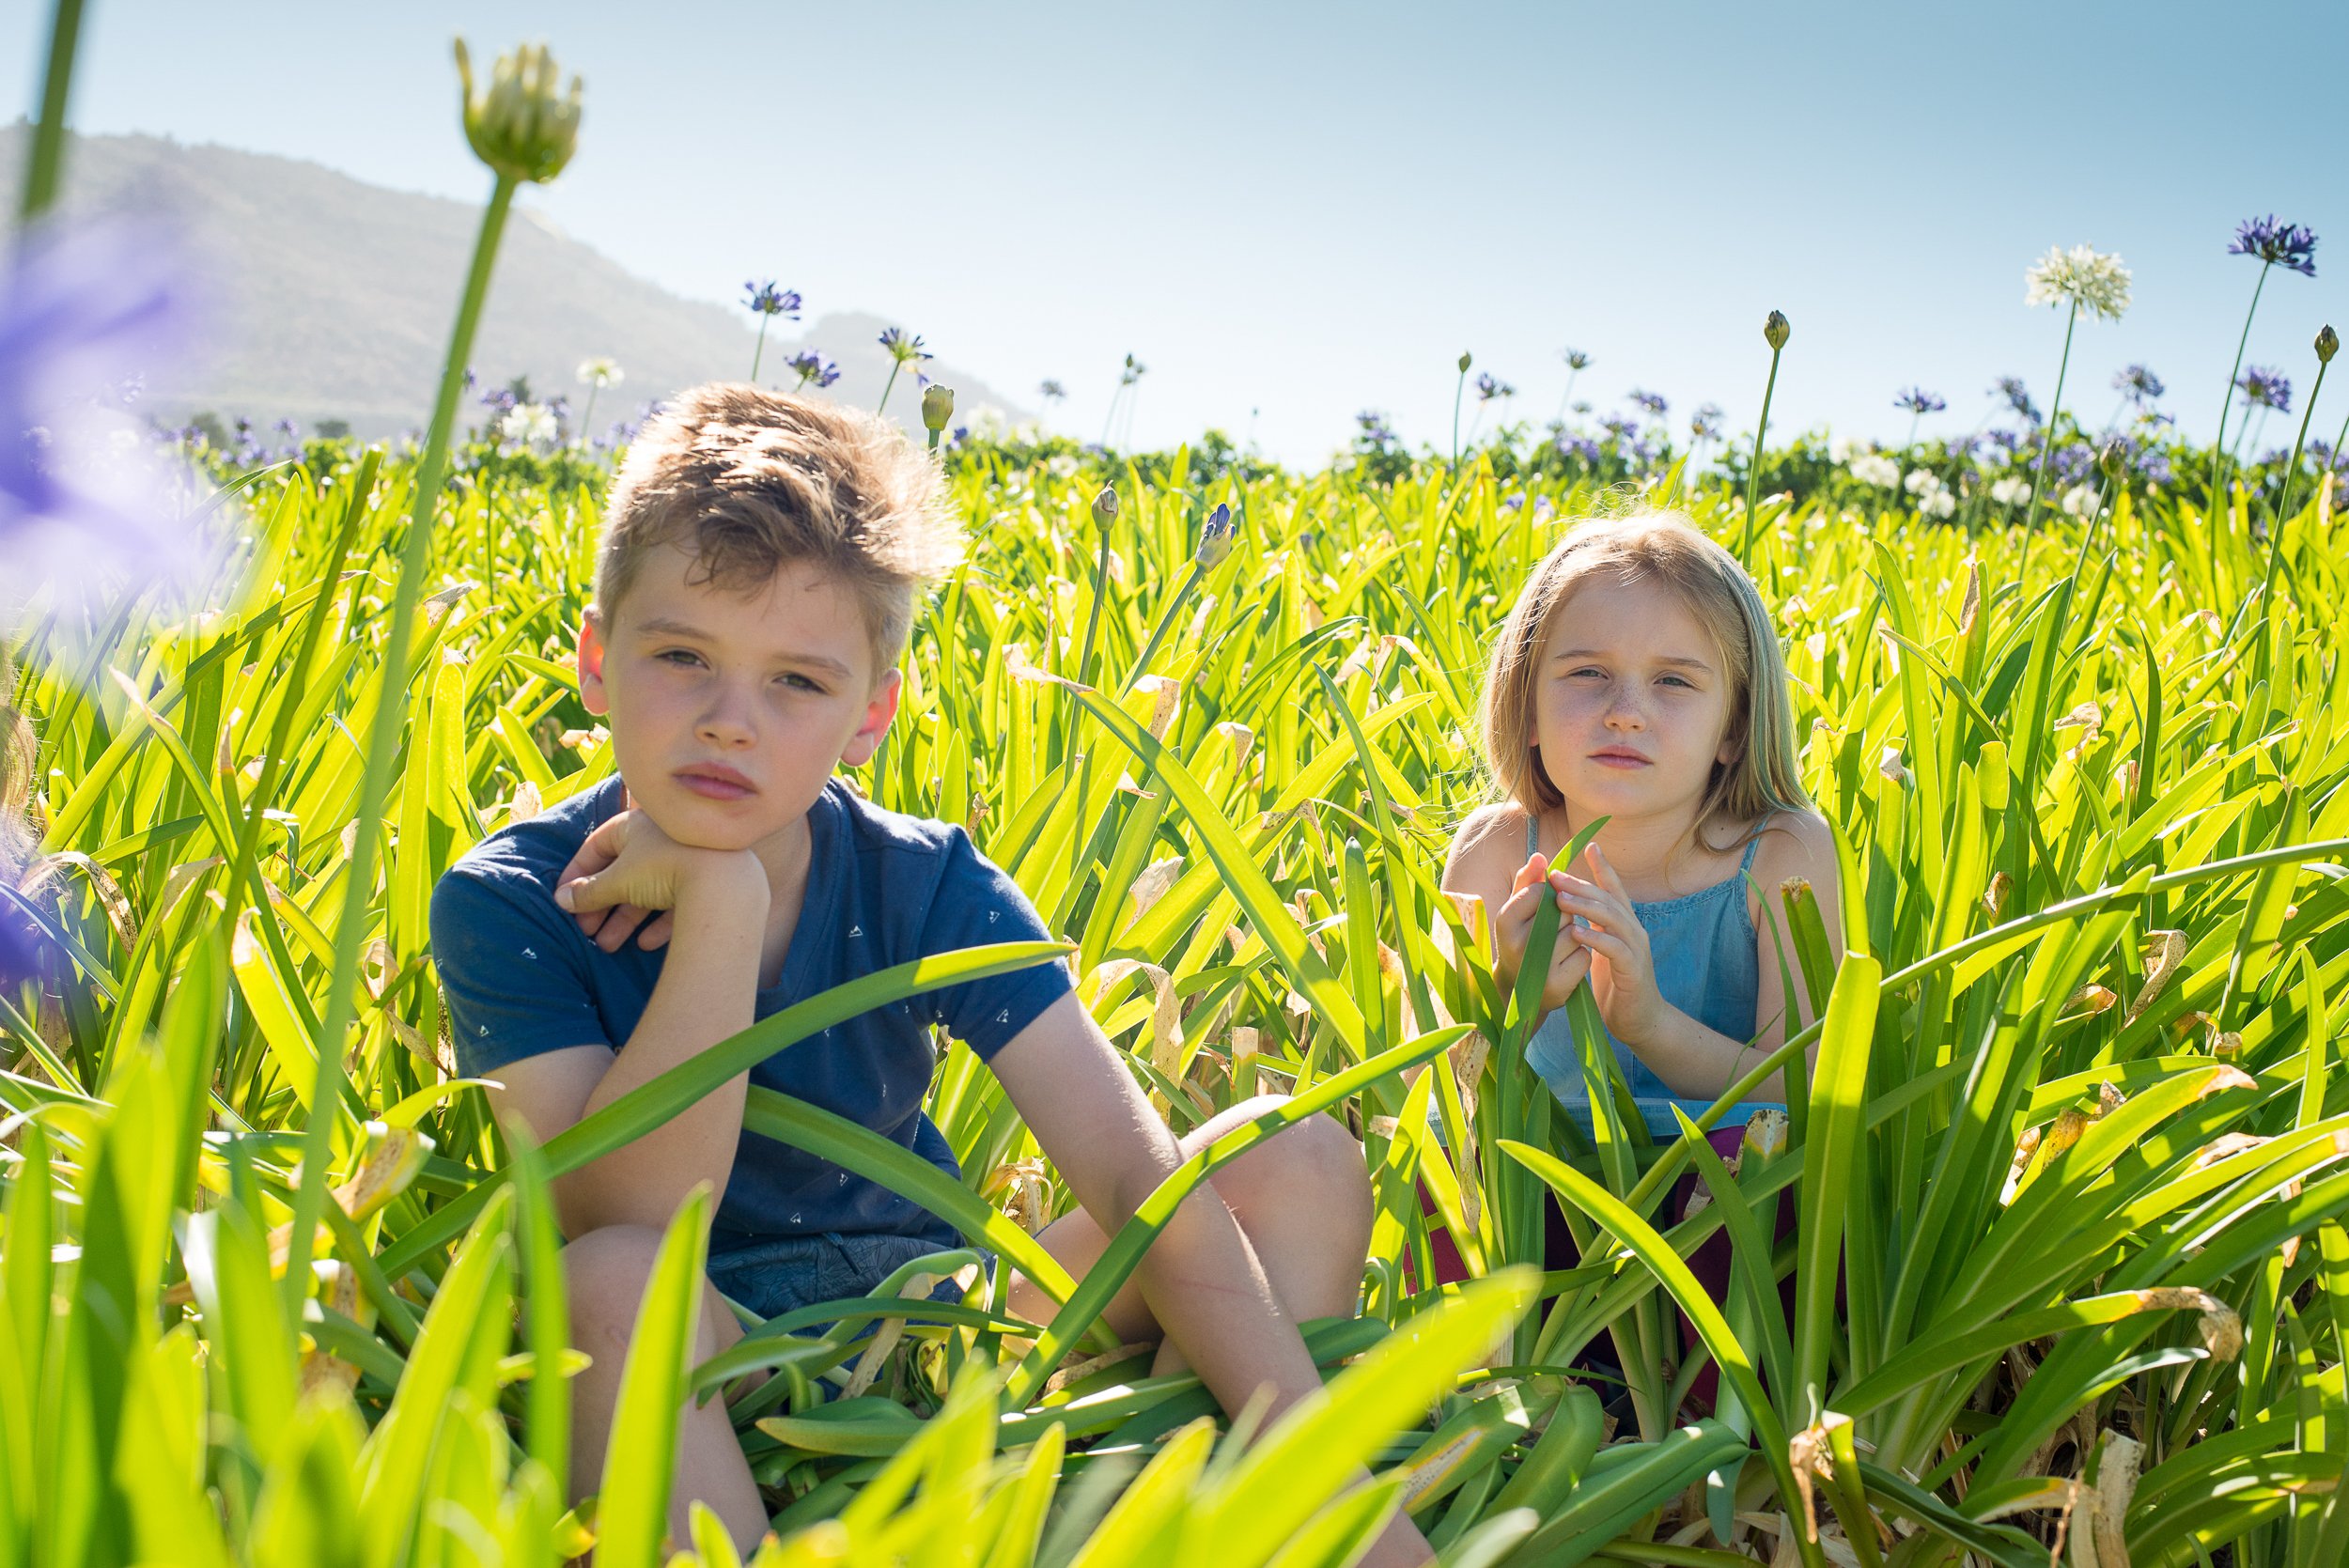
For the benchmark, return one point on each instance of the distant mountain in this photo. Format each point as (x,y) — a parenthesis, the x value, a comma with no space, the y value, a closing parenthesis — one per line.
(331,297)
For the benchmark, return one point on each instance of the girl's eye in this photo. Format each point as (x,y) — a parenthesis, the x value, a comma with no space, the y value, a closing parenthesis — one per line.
(1677,681)
(669,656)
(1586,670)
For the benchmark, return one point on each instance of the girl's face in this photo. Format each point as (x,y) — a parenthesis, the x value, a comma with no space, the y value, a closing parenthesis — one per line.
(1631,705)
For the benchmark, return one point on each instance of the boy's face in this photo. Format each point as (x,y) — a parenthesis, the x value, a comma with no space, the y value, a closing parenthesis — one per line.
(727,711)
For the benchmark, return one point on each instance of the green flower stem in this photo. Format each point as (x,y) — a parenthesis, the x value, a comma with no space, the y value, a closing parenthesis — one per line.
(382,740)
(587,414)
(2218,442)
(2276,528)
(758,349)
(47,154)
(894,366)
(1157,632)
(1566,397)
(1754,473)
(1458,390)
(2046,445)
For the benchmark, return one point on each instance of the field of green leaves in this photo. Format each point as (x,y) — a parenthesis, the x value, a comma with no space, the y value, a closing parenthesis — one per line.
(2068,1272)
(2072,1148)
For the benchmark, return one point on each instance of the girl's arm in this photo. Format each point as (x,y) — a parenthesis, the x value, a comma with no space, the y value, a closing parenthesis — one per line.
(1694,1060)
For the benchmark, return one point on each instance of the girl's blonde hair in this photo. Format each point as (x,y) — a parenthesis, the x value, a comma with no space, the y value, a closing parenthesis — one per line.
(1664,547)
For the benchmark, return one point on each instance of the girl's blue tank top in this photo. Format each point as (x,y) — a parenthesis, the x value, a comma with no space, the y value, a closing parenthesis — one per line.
(1706,965)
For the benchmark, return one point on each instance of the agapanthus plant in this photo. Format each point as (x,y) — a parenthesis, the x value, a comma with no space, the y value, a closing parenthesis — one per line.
(2077,279)
(767,301)
(1576,362)
(595,375)
(2291,246)
(903,348)
(812,369)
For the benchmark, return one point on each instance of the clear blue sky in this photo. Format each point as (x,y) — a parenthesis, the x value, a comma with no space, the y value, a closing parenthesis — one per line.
(1310,210)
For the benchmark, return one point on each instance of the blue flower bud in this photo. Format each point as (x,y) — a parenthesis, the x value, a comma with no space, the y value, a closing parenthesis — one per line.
(1215,538)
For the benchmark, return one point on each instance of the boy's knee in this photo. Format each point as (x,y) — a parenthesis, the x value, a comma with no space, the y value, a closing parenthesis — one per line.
(604,1273)
(1314,1154)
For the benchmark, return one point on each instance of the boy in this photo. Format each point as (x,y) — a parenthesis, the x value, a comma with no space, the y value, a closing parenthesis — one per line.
(753,590)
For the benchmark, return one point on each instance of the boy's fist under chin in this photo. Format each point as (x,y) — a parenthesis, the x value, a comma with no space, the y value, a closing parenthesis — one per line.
(629,868)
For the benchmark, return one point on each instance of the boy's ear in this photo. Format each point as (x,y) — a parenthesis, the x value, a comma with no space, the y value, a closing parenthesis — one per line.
(591,650)
(879,711)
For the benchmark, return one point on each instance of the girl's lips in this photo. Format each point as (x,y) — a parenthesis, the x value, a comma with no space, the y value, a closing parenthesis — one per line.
(1618,759)
(714,789)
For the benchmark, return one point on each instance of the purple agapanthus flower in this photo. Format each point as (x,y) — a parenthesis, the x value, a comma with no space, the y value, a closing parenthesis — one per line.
(2139,385)
(2071,463)
(904,346)
(83,499)
(1652,401)
(1489,386)
(1579,446)
(2012,389)
(768,300)
(1916,400)
(1373,430)
(813,368)
(1706,424)
(1618,426)
(2289,244)
(2267,387)
(2153,466)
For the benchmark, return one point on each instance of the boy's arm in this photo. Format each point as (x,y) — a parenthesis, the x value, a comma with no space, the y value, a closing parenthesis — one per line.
(706,993)
(1201,1279)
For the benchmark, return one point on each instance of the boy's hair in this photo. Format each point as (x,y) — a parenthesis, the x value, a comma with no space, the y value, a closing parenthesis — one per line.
(749,481)
(1664,546)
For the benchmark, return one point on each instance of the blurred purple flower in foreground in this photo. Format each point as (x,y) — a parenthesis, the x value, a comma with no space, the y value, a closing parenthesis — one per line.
(1916,400)
(2266,388)
(82,487)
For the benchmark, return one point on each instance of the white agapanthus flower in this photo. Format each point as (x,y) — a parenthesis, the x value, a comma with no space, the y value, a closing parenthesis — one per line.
(1840,449)
(1922,482)
(2093,281)
(1874,468)
(2080,501)
(2009,491)
(601,371)
(1061,466)
(530,424)
(1940,504)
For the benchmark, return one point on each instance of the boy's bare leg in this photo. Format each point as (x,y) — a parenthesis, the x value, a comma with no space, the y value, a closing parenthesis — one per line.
(1302,1200)
(606,1270)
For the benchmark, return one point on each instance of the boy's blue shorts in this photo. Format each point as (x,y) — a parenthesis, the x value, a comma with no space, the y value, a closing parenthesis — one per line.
(774,1275)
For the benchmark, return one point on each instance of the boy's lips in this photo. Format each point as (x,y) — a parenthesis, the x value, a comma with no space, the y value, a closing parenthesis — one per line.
(715,782)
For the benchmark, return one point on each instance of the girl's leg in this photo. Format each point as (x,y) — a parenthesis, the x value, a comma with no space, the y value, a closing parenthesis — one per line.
(606,1271)
(1302,1201)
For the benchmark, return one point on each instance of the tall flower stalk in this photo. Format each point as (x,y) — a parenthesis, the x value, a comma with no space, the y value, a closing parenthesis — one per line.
(1460,391)
(44,158)
(525,131)
(904,348)
(767,302)
(1776,329)
(2082,279)
(2327,345)
(1576,362)
(2271,241)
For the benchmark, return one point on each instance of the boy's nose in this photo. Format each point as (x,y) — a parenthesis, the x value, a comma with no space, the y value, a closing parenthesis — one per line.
(725,723)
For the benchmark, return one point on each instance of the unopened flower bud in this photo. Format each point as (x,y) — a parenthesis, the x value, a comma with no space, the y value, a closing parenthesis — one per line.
(1466,359)
(2113,460)
(523,126)
(1105,508)
(1215,538)
(938,407)
(1775,330)
(2327,342)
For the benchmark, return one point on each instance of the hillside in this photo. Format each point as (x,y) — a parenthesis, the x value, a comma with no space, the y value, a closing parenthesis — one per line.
(331,298)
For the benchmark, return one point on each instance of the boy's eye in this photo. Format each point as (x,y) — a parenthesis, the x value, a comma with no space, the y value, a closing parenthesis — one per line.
(802,683)
(678,656)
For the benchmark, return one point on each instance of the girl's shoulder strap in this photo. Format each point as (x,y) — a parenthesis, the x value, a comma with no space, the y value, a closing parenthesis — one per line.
(1533,833)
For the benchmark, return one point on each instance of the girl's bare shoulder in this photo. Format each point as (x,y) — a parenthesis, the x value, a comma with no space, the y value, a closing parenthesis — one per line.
(1488,845)
(1794,844)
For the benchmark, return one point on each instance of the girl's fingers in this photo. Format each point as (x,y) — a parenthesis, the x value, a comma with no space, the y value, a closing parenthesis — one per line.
(1606,872)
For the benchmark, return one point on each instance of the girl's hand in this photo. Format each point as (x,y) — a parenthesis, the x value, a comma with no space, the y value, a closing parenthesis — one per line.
(1623,972)
(1513,922)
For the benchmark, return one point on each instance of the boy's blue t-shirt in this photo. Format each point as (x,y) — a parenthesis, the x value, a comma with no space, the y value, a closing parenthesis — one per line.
(882,889)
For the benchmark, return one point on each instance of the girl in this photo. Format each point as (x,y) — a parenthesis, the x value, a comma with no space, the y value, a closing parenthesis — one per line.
(1638,678)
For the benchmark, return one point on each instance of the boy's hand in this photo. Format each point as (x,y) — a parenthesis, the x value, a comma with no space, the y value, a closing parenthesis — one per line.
(1614,944)
(628,869)
(1513,922)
